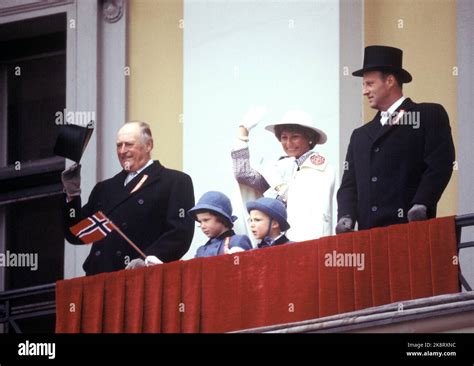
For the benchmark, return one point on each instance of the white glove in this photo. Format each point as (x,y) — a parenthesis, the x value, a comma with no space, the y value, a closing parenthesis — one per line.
(235,250)
(135,263)
(252,117)
(151,260)
(282,193)
(138,262)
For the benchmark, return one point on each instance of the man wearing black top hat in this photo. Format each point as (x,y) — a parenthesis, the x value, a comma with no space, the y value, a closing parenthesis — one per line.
(398,165)
(147,201)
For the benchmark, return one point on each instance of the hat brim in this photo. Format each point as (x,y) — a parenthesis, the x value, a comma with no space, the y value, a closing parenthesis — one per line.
(405,76)
(284,226)
(206,207)
(72,141)
(322,136)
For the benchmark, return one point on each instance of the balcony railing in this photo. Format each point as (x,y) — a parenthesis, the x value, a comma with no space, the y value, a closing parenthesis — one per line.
(461,222)
(39,301)
(26,303)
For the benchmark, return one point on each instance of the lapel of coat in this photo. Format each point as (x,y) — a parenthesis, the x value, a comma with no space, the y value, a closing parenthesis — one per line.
(373,127)
(121,194)
(376,131)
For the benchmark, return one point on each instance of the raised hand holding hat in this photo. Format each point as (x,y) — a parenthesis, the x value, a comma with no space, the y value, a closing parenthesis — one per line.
(301,118)
(71,178)
(252,117)
(72,140)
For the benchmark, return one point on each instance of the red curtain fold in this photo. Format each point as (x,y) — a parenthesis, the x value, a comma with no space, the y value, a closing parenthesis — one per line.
(114,310)
(134,300)
(345,275)
(93,303)
(420,260)
(327,272)
(222,286)
(444,261)
(398,261)
(380,266)
(363,279)
(261,287)
(171,301)
(153,299)
(287,283)
(69,305)
(191,283)
(300,273)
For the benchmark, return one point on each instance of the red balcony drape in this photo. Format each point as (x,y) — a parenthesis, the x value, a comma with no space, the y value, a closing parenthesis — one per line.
(283,284)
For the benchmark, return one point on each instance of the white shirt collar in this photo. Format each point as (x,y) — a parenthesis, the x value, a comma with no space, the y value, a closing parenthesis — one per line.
(384,116)
(132,175)
(144,166)
(278,237)
(303,158)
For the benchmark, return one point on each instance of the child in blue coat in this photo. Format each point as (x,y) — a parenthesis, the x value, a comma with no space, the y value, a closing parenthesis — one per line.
(268,221)
(214,214)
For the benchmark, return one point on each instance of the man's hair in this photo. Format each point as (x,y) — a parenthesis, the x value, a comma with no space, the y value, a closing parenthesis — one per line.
(145,131)
(218,216)
(385,74)
(308,133)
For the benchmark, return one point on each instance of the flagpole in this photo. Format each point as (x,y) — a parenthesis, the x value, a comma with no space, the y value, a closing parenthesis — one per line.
(125,237)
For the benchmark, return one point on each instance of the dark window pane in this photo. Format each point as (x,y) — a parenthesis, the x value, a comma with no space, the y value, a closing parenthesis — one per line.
(33,228)
(33,61)
(34,98)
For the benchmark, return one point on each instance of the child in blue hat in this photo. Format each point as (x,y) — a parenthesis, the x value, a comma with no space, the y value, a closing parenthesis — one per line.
(268,221)
(214,214)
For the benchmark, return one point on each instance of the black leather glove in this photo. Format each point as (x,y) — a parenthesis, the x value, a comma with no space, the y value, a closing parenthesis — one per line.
(71,179)
(344,225)
(417,213)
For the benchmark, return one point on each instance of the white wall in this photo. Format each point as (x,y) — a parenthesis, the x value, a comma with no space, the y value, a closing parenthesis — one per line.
(238,54)
(100,88)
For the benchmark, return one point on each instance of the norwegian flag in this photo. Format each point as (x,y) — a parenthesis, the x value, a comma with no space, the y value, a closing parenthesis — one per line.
(92,228)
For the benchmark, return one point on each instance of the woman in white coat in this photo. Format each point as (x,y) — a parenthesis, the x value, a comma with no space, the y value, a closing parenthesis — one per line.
(302,179)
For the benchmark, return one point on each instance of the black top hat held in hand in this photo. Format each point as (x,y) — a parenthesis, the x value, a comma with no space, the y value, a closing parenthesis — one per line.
(384,58)
(72,141)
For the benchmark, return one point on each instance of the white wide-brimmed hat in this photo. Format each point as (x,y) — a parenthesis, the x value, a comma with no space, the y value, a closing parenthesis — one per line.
(300,118)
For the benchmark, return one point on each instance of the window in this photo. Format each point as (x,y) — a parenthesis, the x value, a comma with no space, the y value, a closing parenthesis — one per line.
(33,90)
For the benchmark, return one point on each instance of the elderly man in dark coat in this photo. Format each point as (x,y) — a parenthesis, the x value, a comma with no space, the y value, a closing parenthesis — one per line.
(398,165)
(147,201)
